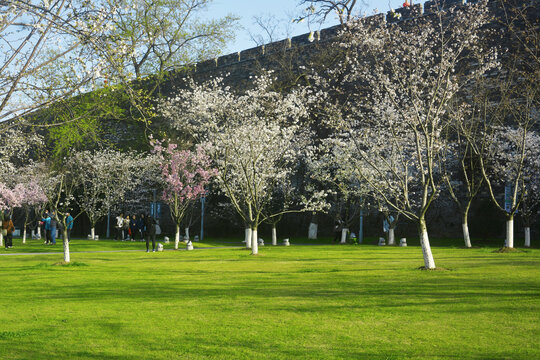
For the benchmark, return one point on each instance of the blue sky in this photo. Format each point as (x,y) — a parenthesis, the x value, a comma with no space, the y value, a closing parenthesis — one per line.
(283,10)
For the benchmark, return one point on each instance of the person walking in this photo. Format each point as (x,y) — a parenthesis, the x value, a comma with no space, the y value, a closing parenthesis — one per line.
(133,227)
(338,226)
(120,227)
(125,228)
(47,227)
(69,225)
(53,227)
(150,233)
(7,229)
(141,226)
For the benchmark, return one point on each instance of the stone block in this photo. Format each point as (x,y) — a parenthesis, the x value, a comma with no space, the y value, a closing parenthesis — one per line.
(228,59)
(277,46)
(329,33)
(207,65)
(252,53)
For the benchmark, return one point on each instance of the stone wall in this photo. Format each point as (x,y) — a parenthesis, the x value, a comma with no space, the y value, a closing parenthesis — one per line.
(294,53)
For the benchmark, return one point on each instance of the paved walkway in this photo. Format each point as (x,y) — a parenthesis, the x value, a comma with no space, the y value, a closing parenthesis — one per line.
(116,251)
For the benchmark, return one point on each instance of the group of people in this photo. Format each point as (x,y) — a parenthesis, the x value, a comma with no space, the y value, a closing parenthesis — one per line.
(49,225)
(128,228)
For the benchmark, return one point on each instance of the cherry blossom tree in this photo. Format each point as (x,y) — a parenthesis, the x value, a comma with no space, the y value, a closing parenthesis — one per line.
(254,138)
(508,148)
(63,184)
(104,177)
(392,96)
(513,166)
(33,198)
(460,165)
(184,175)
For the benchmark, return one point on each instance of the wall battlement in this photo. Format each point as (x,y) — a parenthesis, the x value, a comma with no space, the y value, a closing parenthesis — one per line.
(324,35)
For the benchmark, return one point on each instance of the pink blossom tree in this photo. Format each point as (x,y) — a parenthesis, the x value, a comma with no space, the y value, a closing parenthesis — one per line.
(184,175)
(33,197)
(9,199)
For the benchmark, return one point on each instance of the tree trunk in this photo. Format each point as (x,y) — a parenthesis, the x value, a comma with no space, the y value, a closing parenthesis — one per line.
(510,231)
(93,233)
(1,238)
(429,262)
(254,242)
(465,226)
(24,235)
(177,237)
(39,232)
(527,237)
(274,235)
(391,236)
(247,237)
(466,236)
(187,233)
(344,233)
(66,246)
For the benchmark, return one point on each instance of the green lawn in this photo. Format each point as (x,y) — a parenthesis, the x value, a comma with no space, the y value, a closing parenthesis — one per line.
(306,302)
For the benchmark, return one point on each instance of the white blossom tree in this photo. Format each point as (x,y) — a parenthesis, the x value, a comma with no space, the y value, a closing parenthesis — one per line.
(460,164)
(254,138)
(63,185)
(104,177)
(508,148)
(513,166)
(392,94)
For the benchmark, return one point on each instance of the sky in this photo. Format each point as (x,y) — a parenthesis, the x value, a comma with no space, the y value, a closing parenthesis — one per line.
(282,10)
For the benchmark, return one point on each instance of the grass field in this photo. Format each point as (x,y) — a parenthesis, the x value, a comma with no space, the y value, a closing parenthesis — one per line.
(307,302)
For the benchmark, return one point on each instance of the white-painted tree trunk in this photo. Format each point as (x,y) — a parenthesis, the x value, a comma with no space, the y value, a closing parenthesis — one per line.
(247,238)
(24,236)
(312,231)
(93,233)
(429,262)
(510,232)
(177,237)
(274,235)
(39,232)
(1,238)
(344,233)
(391,237)
(466,236)
(187,233)
(527,237)
(67,257)
(254,242)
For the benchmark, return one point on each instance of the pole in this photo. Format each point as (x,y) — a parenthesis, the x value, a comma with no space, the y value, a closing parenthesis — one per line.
(361,230)
(202,218)
(154,207)
(109,224)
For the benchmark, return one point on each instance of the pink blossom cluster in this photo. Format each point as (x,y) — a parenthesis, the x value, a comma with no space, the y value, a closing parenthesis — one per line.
(22,194)
(185,173)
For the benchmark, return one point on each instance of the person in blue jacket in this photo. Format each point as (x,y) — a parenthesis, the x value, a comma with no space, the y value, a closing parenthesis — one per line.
(53,227)
(69,225)
(47,224)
